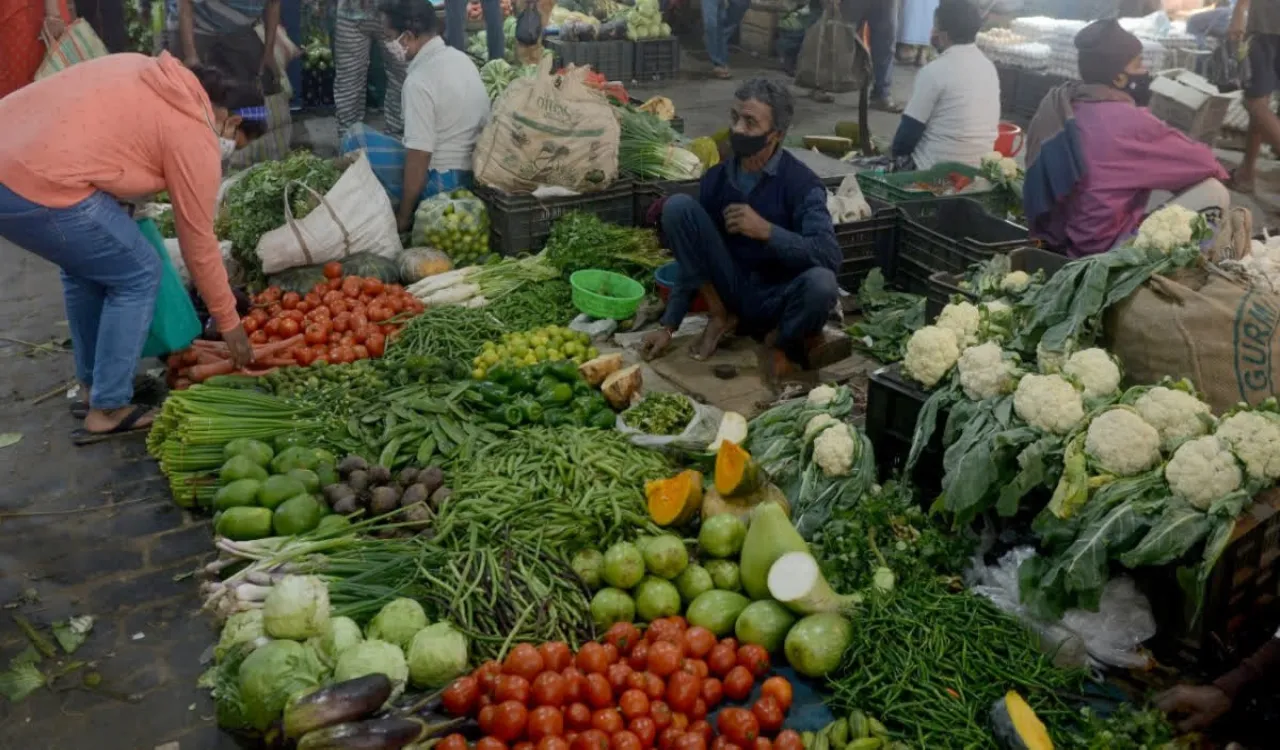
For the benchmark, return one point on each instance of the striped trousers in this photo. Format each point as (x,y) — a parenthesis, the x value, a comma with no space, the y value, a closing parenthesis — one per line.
(352,39)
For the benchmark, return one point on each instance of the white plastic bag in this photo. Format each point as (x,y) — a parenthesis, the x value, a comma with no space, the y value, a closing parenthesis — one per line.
(355,216)
(1111,636)
(700,431)
(847,204)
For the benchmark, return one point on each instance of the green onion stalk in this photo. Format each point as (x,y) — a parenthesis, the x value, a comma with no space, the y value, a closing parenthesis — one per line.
(650,149)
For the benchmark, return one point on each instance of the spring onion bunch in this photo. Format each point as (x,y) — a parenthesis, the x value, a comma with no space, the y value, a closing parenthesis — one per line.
(650,149)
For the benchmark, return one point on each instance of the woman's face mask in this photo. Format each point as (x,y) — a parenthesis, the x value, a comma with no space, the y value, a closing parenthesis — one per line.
(397,49)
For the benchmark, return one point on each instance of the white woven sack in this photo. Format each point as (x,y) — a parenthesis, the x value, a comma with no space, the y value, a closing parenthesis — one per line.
(355,216)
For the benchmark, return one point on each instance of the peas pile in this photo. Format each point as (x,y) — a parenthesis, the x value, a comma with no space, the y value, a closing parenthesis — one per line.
(546,344)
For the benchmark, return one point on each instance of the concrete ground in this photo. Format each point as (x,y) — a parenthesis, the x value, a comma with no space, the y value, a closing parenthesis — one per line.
(91,531)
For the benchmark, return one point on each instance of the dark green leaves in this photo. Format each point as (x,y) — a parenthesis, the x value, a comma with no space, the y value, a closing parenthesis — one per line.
(888,319)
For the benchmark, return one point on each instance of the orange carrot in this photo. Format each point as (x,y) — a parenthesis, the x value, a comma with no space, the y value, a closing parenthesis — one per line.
(201,373)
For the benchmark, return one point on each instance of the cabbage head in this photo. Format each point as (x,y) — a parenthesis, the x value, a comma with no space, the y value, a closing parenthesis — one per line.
(274,673)
(297,608)
(343,633)
(372,657)
(437,654)
(242,627)
(397,622)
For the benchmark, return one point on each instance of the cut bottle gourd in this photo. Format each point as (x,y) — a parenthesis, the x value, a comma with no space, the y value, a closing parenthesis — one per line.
(736,472)
(675,500)
(796,581)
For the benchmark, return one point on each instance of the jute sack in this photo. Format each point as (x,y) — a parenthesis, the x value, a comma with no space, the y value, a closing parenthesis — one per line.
(355,216)
(1202,324)
(549,130)
(832,56)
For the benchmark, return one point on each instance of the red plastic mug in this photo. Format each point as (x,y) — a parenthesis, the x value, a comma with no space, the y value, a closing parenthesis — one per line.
(1009,142)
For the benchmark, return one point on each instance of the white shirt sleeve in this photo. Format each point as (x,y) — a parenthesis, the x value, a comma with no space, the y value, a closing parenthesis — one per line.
(924,96)
(419,118)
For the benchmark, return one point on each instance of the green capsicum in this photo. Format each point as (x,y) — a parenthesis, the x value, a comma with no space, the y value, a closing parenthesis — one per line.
(556,417)
(510,415)
(520,381)
(532,410)
(500,373)
(494,394)
(604,420)
(557,394)
(565,370)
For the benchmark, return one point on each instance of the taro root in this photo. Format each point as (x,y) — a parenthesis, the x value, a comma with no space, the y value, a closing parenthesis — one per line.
(337,491)
(413,494)
(346,505)
(380,475)
(408,476)
(383,500)
(417,516)
(351,464)
(440,497)
(358,480)
(432,477)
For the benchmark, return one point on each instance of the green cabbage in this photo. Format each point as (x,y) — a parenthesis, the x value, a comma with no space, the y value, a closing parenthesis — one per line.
(297,608)
(343,633)
(437,654)
(273,674)
(372,657)
(242,627)
(397,622)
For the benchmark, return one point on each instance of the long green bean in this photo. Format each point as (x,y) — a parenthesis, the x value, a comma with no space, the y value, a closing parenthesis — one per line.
(450,332)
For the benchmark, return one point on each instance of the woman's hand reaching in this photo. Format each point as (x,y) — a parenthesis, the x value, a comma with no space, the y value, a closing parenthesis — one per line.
(238,345)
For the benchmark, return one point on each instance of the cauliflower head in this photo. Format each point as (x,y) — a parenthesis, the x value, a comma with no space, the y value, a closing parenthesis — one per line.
(1255,439)
(1049,361)
(817,424)
(1009,168)
(963,319)
(992,157)
(1121,443)
(1048,402)
(1176,414)
(1202,470)
(931,353)
(822,395)
(984,372)
(833,450)
(1015,282)
(1171,227)
(1096,371)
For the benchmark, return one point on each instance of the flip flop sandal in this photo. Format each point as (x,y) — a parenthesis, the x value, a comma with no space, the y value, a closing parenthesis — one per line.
(79,409)
(81,436)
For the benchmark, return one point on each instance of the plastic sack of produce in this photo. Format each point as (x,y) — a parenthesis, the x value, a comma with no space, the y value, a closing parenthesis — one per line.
(355,216)
(696,435)
(549,130)
(417,263)
(456,224)
(303,278)
(832,56)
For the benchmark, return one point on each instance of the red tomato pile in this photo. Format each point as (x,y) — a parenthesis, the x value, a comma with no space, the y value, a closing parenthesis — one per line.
(631,692)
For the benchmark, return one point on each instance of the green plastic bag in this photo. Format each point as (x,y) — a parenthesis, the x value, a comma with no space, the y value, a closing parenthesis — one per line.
(174,325)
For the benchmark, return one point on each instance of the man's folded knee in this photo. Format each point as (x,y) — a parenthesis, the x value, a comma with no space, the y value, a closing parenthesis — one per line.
(820,284)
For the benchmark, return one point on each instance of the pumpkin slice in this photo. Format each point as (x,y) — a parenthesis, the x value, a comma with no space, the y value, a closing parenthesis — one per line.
(674,501)
(736,472)
(1016,726)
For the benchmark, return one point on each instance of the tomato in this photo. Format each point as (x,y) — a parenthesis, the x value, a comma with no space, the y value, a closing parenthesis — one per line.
(722,743)
(624,636)
(721,659)
(460,697)
(738,684)
(731,642)
(545,721)
(624,740)
(395,304)
(578,716)
(668,737)
(645,729)
(690,741)
(454,741)
(712,692)
(485,718)
(511,687)
(341,322)
(768,714)
(371,286)
(490,743)
(272,328)
(664,658)
(574,684)
(661,714)
(702,728)
(315,334)
(332,269)
(682,690)
(288,328)
(272,294)
(592,739)
(761,743)
(755,659)
(617,675)
(634,704)
(485,700)
(250,324)
(524,661)
(607,720)
(698,642)
(555,654)
(639,656)
(378,313)
(788,739)
(592,658)
(290,300)
(680,720)
(738,724)
(509,721)
(779,689)
(351,287)
(362,352)
(599,693)
(348,353)
(376,343)
(654,687)
(334,284)
(661,629)
(553,743)
(569,737)
(548,689)
(636,681)
(258,337)
(696,667)
(699,711)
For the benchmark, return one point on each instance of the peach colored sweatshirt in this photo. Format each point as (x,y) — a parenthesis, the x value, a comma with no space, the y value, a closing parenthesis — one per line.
(128,125)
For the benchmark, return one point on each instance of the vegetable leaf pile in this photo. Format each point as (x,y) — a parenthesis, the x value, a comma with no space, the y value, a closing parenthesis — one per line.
(580,240)
(888,319)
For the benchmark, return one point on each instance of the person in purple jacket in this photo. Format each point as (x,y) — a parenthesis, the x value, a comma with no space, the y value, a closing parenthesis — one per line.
(1098,161)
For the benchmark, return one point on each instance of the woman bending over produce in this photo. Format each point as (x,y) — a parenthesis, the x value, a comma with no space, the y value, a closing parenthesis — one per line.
(116,127)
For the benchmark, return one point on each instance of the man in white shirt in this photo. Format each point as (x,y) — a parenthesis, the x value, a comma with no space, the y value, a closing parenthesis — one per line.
(954,112)
(445,104)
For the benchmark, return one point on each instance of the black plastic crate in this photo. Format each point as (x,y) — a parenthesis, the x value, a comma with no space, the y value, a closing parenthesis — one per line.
(1031,88)
(1008,76)
(944,284)
(615,59)
(1241,604)
(657,59)
(520,223)
(864,244)
(948,234)
(893,404)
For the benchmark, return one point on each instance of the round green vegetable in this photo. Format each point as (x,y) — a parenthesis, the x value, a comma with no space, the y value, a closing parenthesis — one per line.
(589,564)
(297,515)
(294,457)
(815,644)
(397,622)
(725,575)
(764,623)
(275,490)
(244,523)
(665,555)
(309,478)
(611,605)
(273,674)
(623,566)
(717,611)
(343,633)
(240,467)
(437,654)
(255,450)
(235,494)
(297,608)
(656,598)
(722,536)
(372,657)
(692,581)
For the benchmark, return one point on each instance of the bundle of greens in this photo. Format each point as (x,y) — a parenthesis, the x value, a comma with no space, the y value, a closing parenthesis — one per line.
(888,319)
(254,205)
(580,240)
(649,148)
(660,413)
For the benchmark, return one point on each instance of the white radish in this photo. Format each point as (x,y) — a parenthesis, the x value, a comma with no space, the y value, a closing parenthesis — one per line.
(440,281)
(452,295)
(478,301)
(796,581)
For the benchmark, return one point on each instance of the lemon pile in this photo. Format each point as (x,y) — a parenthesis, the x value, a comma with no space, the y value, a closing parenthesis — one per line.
(546,344)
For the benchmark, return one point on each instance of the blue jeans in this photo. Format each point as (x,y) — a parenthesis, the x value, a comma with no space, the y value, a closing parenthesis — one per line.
(455,26)
(797,307)
(720,20)
(110,277)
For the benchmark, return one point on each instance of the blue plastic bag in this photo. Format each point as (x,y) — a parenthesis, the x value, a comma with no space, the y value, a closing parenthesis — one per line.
(174,325)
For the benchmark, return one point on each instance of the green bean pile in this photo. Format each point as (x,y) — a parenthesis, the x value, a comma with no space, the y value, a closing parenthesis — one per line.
(566,488)
(535,305)
(448,332)
(930,663)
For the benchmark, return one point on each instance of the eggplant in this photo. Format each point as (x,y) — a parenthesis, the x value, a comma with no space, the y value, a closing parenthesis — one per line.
(375,734)
(342,702)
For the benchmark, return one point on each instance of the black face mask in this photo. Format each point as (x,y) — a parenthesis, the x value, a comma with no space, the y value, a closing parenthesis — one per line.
(746,146)
(1139,87)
